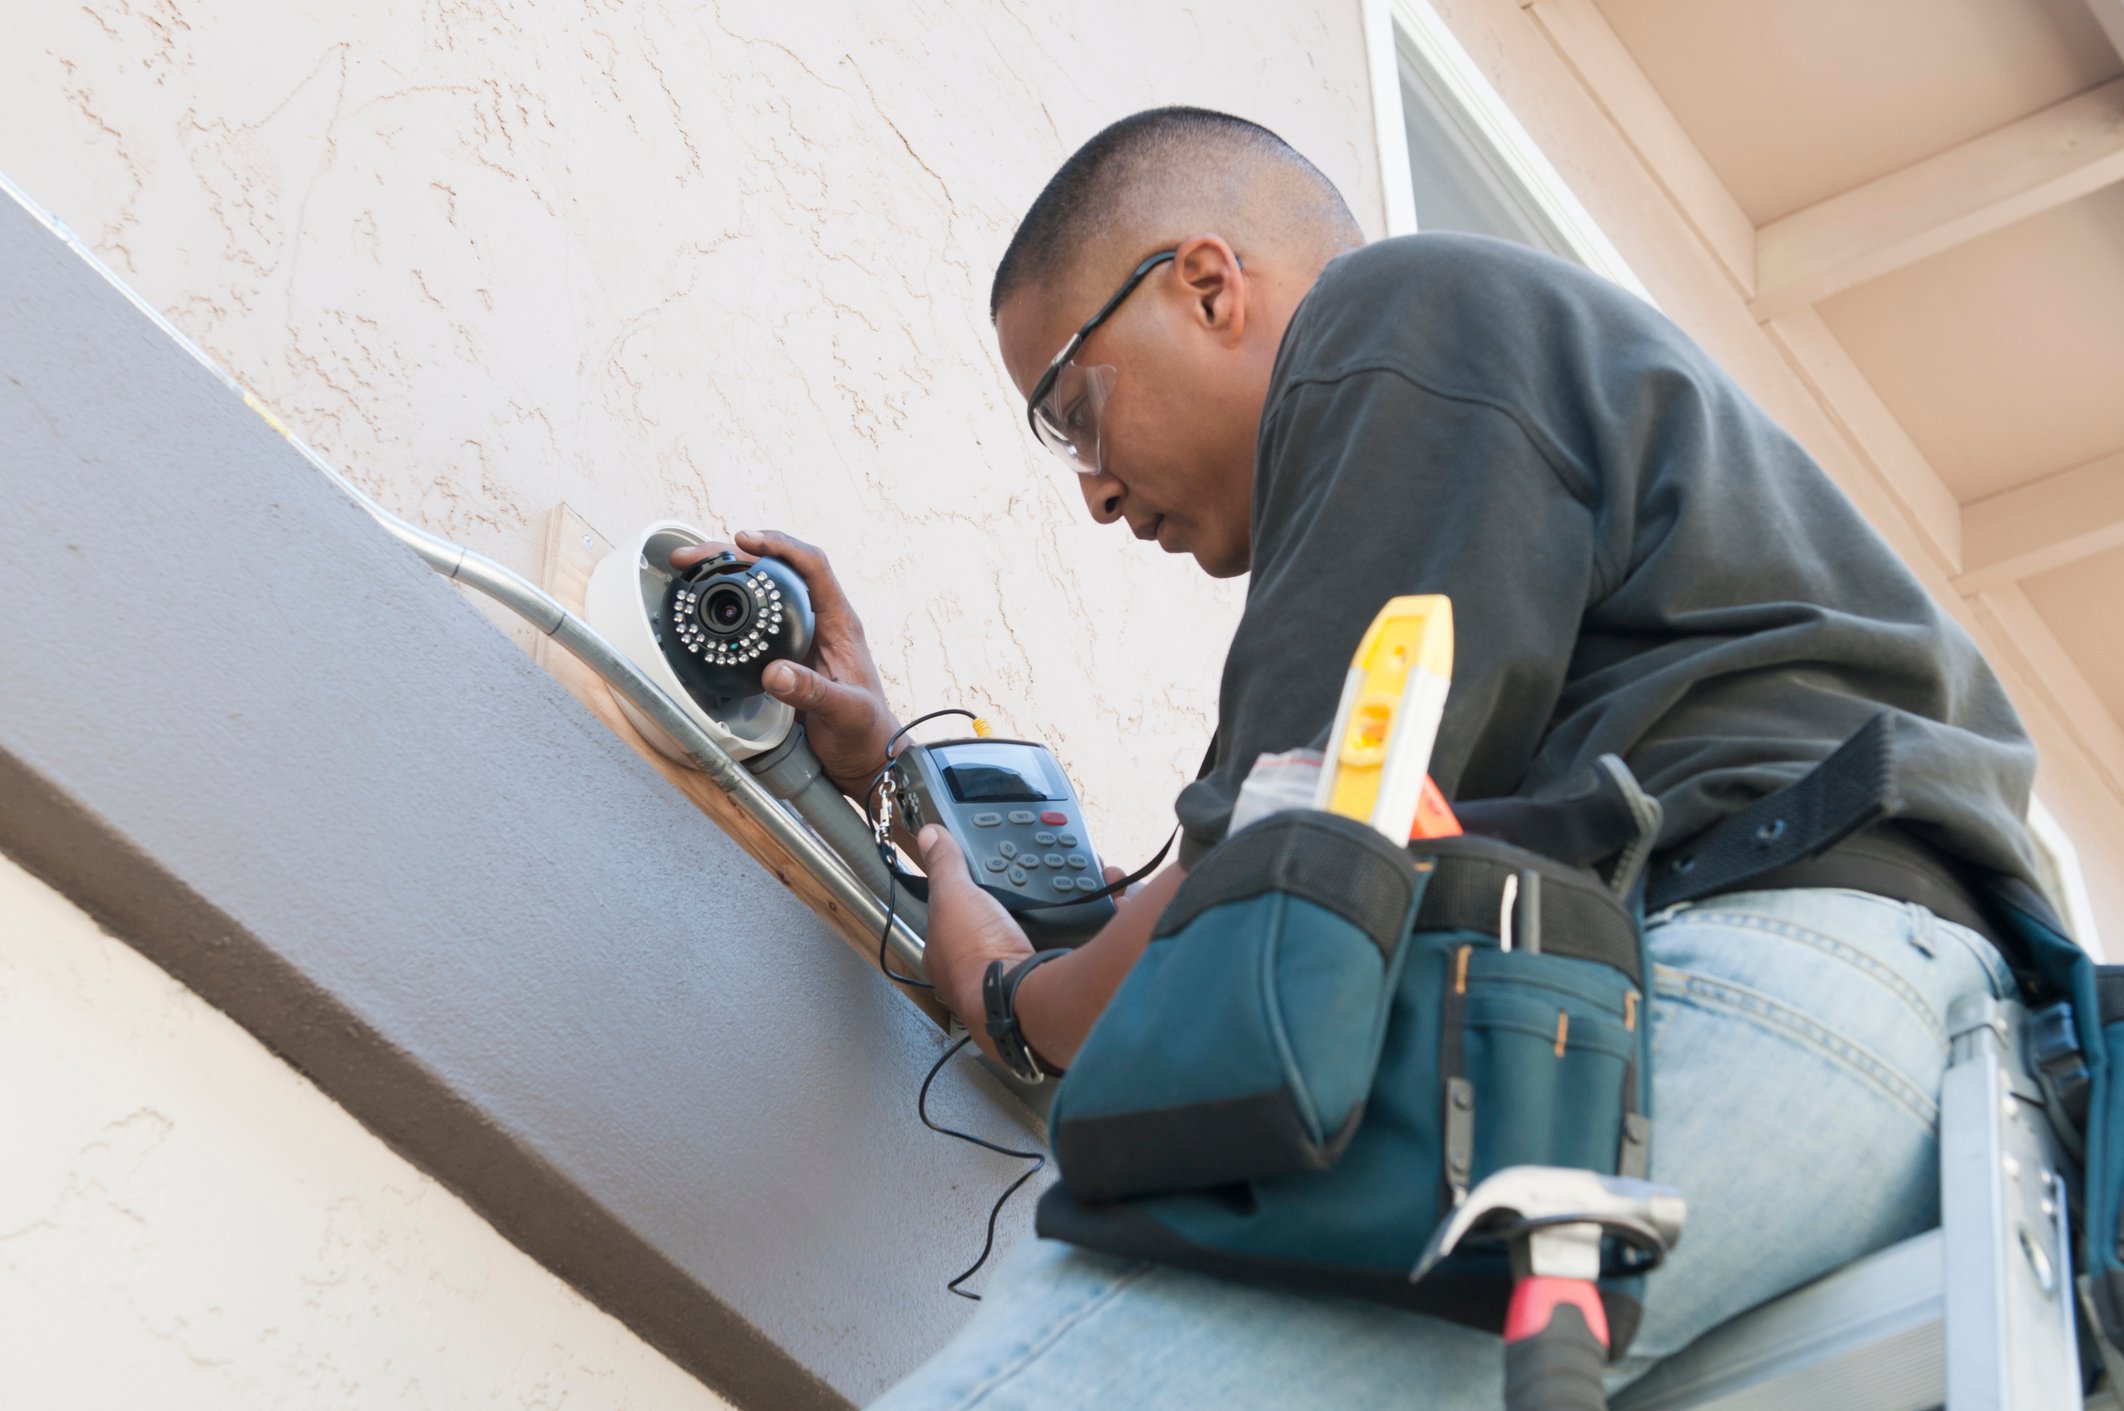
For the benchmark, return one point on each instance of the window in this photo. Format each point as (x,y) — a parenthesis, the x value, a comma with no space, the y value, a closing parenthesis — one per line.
(1454,158)
(1458,183)
(2058,869)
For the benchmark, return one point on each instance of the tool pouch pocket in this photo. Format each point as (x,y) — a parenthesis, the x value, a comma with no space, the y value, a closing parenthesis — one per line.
(1244,1042)
(1537,1061)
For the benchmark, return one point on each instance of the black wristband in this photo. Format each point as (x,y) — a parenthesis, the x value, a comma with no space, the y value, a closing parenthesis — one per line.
(999,991)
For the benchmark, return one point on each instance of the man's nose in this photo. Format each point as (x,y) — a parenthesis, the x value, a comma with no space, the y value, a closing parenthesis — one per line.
(1102,495)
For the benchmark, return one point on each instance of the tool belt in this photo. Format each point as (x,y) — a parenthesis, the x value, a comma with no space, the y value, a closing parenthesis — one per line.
(1329,1039)
(1327,1043)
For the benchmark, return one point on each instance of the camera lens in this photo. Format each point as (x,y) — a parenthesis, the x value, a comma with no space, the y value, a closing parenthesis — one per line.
(724,608)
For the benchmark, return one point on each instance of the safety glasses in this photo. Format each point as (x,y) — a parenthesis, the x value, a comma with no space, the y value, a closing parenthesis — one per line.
(1068,403)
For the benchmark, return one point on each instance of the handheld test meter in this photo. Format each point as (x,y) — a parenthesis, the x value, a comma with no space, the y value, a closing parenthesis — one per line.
(1012,811)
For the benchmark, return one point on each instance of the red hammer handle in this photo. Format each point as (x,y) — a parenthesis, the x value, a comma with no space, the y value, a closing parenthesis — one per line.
(1556,1346)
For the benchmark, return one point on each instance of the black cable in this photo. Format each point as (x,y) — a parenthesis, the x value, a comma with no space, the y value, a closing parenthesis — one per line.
(1038,1160)
(918,720)
(889,856)
(886,853)
(892,900)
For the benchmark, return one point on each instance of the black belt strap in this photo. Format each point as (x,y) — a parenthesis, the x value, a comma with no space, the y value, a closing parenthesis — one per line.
(1850,790)
(1830,829)
(1889,861)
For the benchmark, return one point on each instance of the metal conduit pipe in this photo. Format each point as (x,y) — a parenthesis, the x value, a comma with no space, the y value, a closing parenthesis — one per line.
(844,830)
(820,801)
(793,774)
(537,607)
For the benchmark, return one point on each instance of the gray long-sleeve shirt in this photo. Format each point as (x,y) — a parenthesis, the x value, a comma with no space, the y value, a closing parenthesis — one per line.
(1640,561)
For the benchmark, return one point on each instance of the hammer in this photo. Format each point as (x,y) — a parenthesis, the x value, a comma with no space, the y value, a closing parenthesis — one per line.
(1555,1219)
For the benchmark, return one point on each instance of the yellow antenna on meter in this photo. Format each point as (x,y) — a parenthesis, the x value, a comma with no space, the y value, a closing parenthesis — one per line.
(1387,720)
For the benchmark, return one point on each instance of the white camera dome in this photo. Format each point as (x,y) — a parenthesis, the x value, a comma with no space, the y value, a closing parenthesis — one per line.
(621,604)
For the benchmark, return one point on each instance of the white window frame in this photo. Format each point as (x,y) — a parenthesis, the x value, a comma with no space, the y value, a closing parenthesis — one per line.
(1412,29)
(2059,862)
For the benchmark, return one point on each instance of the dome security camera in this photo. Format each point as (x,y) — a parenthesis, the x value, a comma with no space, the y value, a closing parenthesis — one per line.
(704,635)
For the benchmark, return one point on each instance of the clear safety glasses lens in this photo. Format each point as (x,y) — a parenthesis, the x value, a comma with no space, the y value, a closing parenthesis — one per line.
(1068,418)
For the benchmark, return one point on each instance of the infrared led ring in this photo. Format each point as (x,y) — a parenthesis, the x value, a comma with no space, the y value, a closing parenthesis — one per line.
(725,621)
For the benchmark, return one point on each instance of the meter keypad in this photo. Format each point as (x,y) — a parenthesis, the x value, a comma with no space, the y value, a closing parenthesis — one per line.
(1018,859)
(1027,852)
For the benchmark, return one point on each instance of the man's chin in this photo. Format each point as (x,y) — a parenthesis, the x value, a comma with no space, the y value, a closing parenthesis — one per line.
(1221,565)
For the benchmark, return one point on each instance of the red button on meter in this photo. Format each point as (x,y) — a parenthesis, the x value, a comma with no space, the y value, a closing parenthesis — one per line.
(1053,817)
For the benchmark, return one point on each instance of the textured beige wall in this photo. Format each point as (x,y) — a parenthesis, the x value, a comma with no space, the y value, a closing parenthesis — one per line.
(186,1222)
(724,261)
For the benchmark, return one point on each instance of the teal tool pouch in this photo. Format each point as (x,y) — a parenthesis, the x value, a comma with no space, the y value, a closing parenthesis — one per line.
(1329,1039)
(1244,1043)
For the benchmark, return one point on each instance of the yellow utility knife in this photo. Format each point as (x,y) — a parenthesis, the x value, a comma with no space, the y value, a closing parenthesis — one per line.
(1387,721)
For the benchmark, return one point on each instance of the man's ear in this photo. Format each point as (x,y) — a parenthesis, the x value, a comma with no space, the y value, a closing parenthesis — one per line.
(1214,284)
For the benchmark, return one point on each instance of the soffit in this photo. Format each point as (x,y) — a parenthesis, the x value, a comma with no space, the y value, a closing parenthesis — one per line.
(2003,358)
(2081,602)
(1794,101)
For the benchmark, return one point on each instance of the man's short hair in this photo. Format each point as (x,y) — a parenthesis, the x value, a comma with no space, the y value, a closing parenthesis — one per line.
(1143,174)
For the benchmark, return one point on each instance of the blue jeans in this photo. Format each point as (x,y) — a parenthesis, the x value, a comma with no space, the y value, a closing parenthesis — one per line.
(1799,1041)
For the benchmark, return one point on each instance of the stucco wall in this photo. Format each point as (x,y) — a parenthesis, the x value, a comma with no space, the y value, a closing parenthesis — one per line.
(185,1221)
(723,261)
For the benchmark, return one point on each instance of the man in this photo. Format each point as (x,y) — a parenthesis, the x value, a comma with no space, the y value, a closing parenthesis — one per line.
(1640,562)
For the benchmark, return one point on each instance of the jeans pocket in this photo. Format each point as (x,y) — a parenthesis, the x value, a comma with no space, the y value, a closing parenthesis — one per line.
(1866,981)
(1817,1034)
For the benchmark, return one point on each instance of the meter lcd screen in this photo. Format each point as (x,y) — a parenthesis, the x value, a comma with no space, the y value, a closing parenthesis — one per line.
(998,773)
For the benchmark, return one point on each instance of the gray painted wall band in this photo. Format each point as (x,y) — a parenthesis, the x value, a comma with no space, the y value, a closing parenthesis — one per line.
(265,745)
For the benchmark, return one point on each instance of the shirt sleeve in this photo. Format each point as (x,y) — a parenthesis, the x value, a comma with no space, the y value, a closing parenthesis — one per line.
(1371,484)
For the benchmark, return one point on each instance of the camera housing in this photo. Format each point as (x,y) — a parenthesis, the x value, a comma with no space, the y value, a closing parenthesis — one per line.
(710,664)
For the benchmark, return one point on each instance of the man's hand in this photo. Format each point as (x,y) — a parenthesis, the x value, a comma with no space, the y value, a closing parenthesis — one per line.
(1056,1004)
(968,928)
(837,692)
